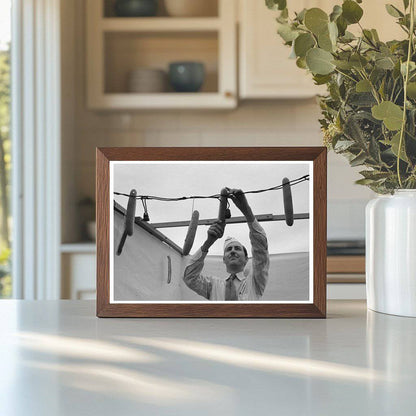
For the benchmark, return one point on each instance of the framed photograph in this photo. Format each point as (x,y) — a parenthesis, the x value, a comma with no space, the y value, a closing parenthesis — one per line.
(211,232)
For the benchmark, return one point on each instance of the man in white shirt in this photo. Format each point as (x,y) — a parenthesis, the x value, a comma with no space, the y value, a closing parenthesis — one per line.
(242,283)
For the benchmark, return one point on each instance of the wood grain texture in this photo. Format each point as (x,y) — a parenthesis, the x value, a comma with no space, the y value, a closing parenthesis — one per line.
(317,309)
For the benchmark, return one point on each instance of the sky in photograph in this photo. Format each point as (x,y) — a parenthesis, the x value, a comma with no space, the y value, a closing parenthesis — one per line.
(176,180)
(5,21)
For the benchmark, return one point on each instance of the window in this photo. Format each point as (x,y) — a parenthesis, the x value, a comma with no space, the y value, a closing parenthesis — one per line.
(5,148)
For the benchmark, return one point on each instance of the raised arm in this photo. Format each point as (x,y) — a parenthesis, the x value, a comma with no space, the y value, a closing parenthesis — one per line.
(258,239)
(192,275)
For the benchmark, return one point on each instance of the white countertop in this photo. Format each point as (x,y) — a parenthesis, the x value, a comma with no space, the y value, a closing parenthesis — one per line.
(57,358)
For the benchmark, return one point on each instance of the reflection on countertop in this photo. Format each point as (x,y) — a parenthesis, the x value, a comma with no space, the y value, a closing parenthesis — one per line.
(64,360)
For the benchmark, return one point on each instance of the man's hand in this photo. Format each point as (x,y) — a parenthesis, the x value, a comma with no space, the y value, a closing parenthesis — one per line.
(215,231)
(240,201)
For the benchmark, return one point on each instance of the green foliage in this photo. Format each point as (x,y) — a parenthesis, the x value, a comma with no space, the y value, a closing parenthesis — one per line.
(5,167)
(5,281)
(369,112)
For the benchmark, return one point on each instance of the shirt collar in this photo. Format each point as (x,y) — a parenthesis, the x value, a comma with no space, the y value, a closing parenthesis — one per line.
(239,275)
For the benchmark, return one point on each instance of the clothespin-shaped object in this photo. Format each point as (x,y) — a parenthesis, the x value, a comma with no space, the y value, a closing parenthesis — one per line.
(128,220)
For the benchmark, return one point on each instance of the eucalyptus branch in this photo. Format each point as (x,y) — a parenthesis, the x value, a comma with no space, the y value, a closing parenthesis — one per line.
(373,89)
(397,95)
(406,79)
(392,90)
(369,41)
(345,75)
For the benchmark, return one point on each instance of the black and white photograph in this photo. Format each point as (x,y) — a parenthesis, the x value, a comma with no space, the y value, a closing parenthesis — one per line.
(211,231)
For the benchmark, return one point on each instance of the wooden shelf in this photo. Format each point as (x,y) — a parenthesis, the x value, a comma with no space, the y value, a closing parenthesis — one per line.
(159,24)
(116,46)
(163,101)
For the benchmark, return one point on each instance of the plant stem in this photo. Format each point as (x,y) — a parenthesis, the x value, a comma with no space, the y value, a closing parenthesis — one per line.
(373,90)
(345,75)
(406,79)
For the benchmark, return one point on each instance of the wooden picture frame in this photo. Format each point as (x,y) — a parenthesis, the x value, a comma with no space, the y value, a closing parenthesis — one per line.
(315,157)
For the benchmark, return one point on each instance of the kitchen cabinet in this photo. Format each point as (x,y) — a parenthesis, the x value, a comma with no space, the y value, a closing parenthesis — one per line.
(118,45)
(265,70)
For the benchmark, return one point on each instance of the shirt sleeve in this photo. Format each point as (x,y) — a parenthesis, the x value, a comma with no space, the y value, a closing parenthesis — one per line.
(193,277)
(260,261)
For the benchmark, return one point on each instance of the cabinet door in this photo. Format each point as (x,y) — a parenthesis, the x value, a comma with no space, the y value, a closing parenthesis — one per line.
(265,68)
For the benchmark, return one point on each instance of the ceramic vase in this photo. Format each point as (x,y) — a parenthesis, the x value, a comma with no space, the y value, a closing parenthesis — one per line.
(391,253)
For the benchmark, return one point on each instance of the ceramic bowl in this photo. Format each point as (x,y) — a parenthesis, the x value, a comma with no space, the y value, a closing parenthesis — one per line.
(186,76)
(135,8)
(147,80)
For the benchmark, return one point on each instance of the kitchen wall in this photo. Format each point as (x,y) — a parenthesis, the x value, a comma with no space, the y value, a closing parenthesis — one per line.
(253,123)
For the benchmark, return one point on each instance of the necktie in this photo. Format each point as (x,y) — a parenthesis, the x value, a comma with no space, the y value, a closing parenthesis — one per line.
(230,291)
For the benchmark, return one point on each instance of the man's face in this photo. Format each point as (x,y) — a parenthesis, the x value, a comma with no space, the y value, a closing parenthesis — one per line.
(234,258)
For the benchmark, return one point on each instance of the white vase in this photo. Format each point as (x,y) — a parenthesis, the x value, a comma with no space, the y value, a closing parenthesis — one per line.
(391,253)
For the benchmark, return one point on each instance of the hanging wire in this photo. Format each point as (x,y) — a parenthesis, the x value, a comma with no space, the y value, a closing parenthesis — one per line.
(215,196)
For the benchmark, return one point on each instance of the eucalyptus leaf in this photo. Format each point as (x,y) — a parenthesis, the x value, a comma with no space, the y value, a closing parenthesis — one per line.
(364,181)
(358,61)
(374,175)
(403,68)
(333,33)
(316,20)
(284,14)
(321,79)
(303,43)
(325,42)
(358,160)
(368,35)
(336,12)
(276,4)
(393,11)
(343,65)
(361,99)
(396,71)
(391,114)
(363,86)
(343,145)
(375,35)
(300,17)
(319,61)
(377,74)
(411,90)
(342,25)
(286,32)
(301,63)
(394,144)
(385,63)
(351,11)
(374,150)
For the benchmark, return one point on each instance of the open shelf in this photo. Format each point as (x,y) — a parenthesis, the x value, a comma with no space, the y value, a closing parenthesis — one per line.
(160,24)
(210,9)
(116,46)
(127,51)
